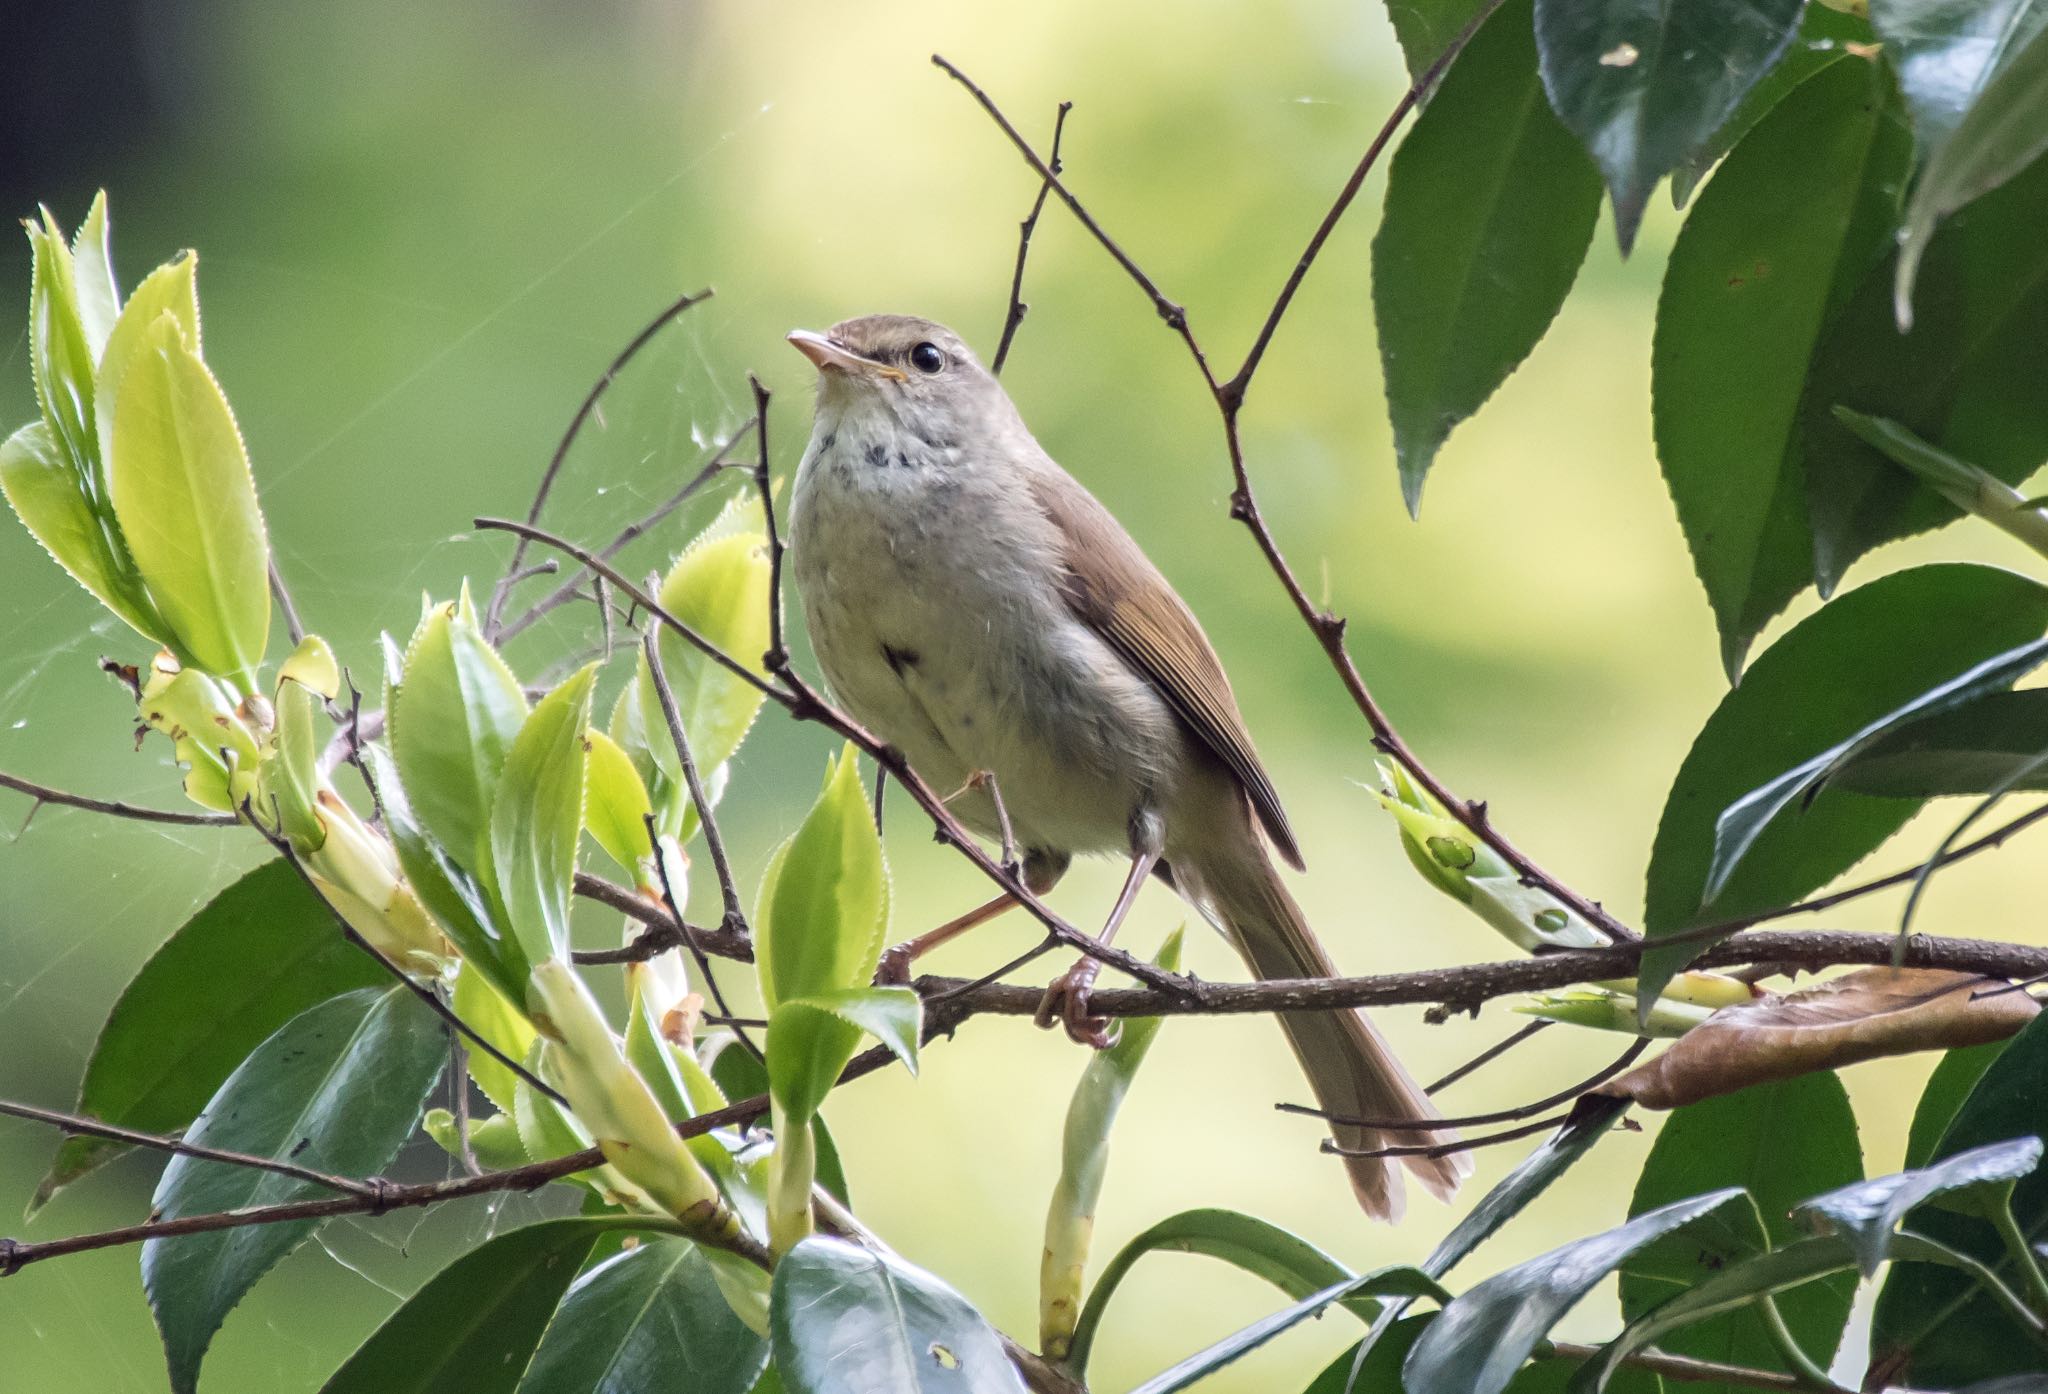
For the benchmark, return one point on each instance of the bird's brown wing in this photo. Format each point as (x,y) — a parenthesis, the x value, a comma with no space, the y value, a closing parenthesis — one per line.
(1117,592)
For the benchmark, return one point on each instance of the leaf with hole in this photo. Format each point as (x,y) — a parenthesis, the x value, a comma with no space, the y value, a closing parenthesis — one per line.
(337,1089)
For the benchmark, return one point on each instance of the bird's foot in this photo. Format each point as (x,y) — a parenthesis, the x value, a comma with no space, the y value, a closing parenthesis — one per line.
(894,968)
(1067,1000)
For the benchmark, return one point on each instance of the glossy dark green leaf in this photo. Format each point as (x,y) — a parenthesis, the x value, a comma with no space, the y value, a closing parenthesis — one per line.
(847,1320)
(1841,668)
(1425,28)
(1945,51)
(337,1089)
(2004,131)
(1969,487)
(1394,1282)
(1934,1327)
(1490,207)
(1262,1249)
(1963,379)
(475,1324)
(1953,1079)
(251,959)
(1645,83)
(1743,821)
(741,1076)
(1790,226)
(1867,1212)
(649,1319)
(1781,1142)
(1988,744)
(1478,1342)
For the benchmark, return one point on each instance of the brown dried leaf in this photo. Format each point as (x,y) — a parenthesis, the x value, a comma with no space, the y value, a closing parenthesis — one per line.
(1858,1016)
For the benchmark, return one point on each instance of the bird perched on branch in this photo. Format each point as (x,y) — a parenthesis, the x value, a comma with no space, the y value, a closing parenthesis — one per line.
(978,609)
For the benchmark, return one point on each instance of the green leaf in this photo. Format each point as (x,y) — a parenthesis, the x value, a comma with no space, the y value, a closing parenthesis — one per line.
(615,802)
(485,1010)
(821,914)
(1935,1327)
(58,351)
(1392,1282)
(1490,207)
(92,275)
(1425,28)
(475,1324)
(846,1320)
(186,503)
(1946,51)
(172,289)
(250,960)
(810,1039)
(741,1076)
(1968,487)
(537,817)
(1478,1342)
(454,716)
(1381,1372)
(1790,226)
(49,497)
(1781,1142)
(1867,1212)
(1953,1079)
(1830,676)
(651,1318)
(1743,821)
(1264,1250)
(1991,743)
(718,587)
(338,1089)
(1961,380)
(1644,83)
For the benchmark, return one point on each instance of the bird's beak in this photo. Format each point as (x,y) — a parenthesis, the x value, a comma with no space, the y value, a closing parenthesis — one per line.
(824,353)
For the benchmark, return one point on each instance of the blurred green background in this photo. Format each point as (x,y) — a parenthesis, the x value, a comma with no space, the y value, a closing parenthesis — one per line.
(424,230)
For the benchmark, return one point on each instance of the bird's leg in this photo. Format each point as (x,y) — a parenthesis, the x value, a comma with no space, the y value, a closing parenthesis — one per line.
(1067,998)
(1042,871)
(986,779)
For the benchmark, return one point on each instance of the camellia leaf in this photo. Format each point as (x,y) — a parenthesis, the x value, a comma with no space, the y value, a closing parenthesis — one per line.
(810,1039)
(1426,28)
(741,1076)
(1743,821)
(1959,380)
(650,1318)
(1490,207)
(615,802)
(1967,486)
(454,715)
(1835,672)
(58,351)
(1864,1015)
(172,289)
(1790,226)
(1478,1342)
(1869,1211)
(92,277)
(186,503)
(1644,83)
(2004,131)
(474,1325)
(1938,1328)
(1946,51)
(484,1010)
(820,919)
(537,817)
(338,1089)
(847,1320)
(250,960)
(1781,1142)
(1947,1087)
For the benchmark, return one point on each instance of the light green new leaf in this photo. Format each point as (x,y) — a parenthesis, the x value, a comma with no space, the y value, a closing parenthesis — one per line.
(537,817)
(820,918)
(485,1010)
(186,504)
(1490,208)
(811,1038)
(454,715)
(58,351)
(92,275)
(49,497)
(172,289)
(615,802)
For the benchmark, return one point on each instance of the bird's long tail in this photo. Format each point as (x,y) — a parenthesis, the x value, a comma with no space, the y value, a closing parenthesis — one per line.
(1349,1065)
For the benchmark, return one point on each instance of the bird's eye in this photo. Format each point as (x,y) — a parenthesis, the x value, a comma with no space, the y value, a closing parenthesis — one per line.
(927,358)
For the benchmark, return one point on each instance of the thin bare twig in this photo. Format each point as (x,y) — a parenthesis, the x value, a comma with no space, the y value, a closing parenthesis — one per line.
(776,660)
(1476,1120)
(1018,309)
(1229,398)
(458,1098)
(735,921)
(93,1127)
(293,626)
(662,933)
(503,589)
(1447,1149)
(1683,1368)
(1488,1056)
(114,808)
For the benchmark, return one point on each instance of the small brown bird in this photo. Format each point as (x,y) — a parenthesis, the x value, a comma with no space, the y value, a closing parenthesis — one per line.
(977,608)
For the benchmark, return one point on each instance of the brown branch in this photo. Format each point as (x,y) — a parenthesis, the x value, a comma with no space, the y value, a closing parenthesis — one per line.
(501,591)
(1488,1056)
(663,931)
(114,808)
(1475,1120)
(92,1127)
(805,703)
(294,627)
(735,921)
(1676,1367)
(1229,398)
(1014,318)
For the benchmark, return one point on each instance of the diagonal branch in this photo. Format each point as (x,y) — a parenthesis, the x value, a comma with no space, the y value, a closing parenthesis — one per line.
(1013,319)
(114,808)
